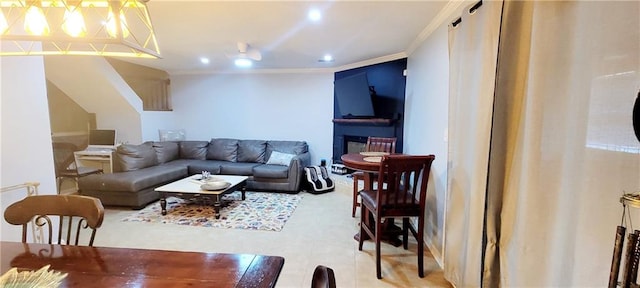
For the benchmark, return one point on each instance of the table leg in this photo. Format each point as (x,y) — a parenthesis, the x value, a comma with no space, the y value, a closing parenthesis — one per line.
(216,206)
(163,203)
(243,190)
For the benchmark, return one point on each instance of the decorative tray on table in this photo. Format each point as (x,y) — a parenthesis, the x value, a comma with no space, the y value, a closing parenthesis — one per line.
(374,154)
(215,185)
(374,159)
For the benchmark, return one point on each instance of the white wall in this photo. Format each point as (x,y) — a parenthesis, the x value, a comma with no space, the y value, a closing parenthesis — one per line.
(154,120)
(25,136)
(426,110)
(251,106)
(98,88)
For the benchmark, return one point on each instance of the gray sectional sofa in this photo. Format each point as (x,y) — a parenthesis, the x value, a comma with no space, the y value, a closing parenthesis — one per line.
(271,165)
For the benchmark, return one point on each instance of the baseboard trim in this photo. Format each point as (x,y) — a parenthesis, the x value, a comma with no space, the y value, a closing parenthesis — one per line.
(436,253)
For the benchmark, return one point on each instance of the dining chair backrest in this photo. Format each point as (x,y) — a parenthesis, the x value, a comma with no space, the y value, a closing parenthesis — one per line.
(87,211)
(374,144)
(381,144)
(323,277)
(402,195)
(406,178)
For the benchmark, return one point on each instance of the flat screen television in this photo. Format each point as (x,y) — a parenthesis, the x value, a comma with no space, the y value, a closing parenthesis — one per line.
(102,138)
(354,97)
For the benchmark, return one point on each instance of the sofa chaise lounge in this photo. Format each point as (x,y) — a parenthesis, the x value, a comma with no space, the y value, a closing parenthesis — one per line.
(271,165)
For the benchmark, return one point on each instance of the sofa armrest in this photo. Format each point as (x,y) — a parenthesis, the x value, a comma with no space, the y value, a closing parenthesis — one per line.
(296,168)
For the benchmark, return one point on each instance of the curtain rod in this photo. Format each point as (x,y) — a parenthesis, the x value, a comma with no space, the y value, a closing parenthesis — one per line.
(471,11)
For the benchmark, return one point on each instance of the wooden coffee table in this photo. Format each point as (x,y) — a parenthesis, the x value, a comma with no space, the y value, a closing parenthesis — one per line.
(189,188)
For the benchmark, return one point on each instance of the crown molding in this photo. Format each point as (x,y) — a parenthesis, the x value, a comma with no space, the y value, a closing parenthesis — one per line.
(367,62)
(255,71)
(372,61)
(442,17)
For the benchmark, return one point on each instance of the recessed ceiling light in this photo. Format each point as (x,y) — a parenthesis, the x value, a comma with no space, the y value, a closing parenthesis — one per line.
(242,62)
(314,15)
(204,60)
(326,58)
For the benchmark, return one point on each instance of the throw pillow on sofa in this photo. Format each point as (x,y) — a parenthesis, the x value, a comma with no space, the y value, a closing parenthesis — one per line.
(251,151)
(166,151)
(279,158)
(134,157)
(193,150)
(223,149)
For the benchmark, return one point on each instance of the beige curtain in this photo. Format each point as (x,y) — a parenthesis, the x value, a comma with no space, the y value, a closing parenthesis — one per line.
(563,150)
(473,46)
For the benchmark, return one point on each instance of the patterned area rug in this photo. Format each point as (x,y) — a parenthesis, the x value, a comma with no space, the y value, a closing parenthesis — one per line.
(259,211)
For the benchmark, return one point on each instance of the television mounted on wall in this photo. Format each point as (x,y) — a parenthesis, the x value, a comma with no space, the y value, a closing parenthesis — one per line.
(354,96)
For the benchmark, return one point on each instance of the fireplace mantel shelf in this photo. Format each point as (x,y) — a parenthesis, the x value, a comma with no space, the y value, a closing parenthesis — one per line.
(369,121)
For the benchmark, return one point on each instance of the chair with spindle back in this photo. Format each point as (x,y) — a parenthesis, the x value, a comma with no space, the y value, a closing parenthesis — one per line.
(87,211)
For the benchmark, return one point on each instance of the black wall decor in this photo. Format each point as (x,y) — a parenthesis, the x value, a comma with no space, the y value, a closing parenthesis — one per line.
(388,81)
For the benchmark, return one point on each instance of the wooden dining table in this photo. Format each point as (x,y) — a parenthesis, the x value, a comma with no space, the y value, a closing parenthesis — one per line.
(356,161)
(366,164)
(126,267)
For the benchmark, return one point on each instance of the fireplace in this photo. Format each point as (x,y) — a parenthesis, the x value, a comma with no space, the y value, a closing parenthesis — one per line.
(388,81)
(354,144)
(351,136)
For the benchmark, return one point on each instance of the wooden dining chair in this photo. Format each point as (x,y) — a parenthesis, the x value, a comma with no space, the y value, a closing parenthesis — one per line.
(403,196)
(65,164)
(323,277)
(75,213)
(374,144)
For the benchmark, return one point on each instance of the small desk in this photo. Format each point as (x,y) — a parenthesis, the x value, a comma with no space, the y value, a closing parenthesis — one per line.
(123,267)
(102,159)
(356,161)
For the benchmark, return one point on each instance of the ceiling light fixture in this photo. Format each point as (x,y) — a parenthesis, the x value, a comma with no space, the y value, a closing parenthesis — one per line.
(243,62)
(204,60)
(326,58)
(74,22)
(314,15)
(77,27)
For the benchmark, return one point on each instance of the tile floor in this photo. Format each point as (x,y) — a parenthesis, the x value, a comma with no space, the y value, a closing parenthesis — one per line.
(320,231)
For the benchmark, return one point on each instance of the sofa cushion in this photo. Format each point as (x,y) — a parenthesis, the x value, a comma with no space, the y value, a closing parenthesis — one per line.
(197,166)
(193,150)
(134,157)
(289,147)
(237,168)
(223,149)
(279,158)
(166,151)
(133,181)
(251,151)
(270,171)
